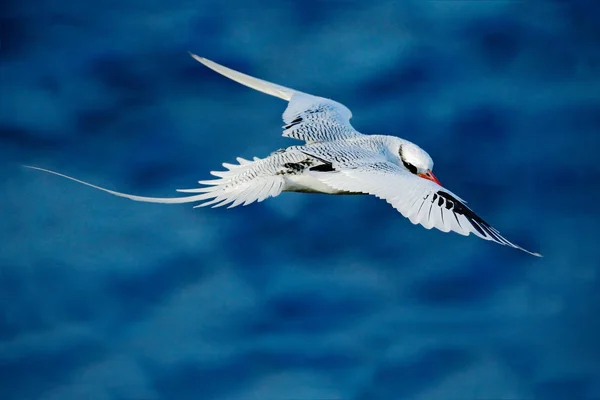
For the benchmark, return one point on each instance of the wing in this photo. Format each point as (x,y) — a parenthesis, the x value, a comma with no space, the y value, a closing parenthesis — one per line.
(239,185)
(307,117)
(421,201)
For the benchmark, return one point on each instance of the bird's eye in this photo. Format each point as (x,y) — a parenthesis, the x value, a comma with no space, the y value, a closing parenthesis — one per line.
(410,167)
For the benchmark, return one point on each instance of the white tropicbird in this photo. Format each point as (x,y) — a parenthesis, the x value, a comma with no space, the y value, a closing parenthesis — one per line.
(335,159)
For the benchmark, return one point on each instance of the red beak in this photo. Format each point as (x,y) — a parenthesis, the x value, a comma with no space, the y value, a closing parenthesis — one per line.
(430,177)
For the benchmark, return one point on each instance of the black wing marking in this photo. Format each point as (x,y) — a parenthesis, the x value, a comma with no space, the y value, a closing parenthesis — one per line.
(456,206)
(312,164)
(325,167)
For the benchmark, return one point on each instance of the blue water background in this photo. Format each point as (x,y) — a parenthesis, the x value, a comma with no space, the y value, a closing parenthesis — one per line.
(302,296)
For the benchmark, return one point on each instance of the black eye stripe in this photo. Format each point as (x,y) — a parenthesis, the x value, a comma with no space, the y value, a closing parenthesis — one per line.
(410,167)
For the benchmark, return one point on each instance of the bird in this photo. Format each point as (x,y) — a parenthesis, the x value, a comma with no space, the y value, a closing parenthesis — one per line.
(334,159)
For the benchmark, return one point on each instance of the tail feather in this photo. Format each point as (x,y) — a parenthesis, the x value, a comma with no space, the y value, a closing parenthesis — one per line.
(201,189)
(163,200)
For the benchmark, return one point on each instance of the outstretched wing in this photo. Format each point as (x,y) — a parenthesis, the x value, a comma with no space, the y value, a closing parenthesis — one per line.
(242,183)
(316,119)
(421,201)
(307,117)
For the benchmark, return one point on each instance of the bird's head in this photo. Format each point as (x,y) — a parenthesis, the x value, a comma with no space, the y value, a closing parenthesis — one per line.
(416,161)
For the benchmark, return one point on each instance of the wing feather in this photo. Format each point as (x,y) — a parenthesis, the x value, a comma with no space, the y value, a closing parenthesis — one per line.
(317,119)
(307,117)
(240,184)
(421,201)
(267,87)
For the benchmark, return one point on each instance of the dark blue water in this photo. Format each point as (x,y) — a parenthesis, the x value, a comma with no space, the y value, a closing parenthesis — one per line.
(302,296)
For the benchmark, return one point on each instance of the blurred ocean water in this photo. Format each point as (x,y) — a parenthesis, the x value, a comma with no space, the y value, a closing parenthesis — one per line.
(302,296)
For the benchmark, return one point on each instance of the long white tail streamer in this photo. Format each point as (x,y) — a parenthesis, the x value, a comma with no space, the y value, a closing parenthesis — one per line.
(164,200)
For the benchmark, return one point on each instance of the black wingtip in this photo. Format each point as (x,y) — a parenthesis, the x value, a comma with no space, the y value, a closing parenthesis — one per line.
(483,228)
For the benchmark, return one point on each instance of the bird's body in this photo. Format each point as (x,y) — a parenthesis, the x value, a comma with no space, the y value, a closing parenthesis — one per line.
(304,169)
(335,159)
